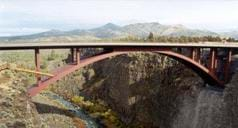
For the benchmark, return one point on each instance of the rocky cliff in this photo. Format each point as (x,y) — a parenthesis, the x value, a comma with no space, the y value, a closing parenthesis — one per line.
(150,90)
(210,108)
(143,88)
(18,110)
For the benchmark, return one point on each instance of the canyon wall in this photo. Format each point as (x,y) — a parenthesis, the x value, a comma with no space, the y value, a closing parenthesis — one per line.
(144,89)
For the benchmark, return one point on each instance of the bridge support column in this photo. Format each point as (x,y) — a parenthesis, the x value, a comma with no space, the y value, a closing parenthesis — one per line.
(213,61)
(37,65)
(72,54)
(227,65)
(198,59)
(77,56)
(193,53)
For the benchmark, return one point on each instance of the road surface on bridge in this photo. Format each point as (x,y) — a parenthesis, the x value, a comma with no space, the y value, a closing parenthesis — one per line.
(15,46)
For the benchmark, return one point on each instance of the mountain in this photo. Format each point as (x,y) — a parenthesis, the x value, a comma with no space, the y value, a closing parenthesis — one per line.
(112,31)
(107,31)
(233,34)
(35,36)
(143,30)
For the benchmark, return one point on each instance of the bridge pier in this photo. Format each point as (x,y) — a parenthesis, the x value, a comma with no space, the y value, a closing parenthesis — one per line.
(37,65)
(227,65)
(193,53)
(72,55)
(216,60)
(213,60)
(198,59)
(77,56)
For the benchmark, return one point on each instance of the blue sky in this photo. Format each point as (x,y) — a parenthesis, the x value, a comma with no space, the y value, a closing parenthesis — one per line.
(19,17)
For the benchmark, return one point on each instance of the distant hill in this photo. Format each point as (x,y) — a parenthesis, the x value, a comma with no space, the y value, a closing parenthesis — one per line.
(112,31)
(143,29)
(233,34)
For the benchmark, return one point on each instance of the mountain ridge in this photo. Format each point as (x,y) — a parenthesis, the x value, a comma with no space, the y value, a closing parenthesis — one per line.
(113,31)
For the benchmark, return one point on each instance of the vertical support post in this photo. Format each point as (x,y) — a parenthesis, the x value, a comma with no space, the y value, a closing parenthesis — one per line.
(227,65)
(212,60)
(215,60)
(193,53)
(199,55)
(37,65)
(77,55)
(72,54)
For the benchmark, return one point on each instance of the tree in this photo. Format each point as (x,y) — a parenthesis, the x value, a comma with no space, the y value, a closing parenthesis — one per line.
(151,37)
(52,55)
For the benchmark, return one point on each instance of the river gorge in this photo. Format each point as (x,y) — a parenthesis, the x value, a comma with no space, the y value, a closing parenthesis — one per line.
(139,89)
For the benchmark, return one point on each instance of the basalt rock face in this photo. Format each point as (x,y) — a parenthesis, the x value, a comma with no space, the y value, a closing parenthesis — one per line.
(145,89)
(16,108)
(154,91)
(209,108)
(231,103)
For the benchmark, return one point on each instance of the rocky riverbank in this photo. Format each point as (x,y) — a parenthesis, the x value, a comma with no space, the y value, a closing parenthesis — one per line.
(46,110)
(16,108)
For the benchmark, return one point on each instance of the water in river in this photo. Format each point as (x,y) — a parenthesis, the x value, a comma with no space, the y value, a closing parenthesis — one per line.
(89,122)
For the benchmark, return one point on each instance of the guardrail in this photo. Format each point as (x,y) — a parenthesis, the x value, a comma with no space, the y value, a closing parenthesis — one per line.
(8,66)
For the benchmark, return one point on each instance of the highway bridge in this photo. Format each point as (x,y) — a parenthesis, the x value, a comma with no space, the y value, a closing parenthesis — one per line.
(190,54)
(51,45)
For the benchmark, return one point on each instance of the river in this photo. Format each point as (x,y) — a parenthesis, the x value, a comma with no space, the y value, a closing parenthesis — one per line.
(79,112)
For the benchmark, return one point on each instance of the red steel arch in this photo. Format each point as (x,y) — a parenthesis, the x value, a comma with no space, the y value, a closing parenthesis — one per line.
(201,70)
(204,72)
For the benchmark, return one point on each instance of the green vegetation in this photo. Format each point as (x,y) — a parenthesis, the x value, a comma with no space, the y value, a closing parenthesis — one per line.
(25,59)
(151,37)
(175,39)
(52,56)
(185,39)
(99,110)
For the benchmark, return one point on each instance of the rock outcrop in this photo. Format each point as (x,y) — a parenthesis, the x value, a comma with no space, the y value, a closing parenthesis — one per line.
(16,108)
(18,111)
(209,108)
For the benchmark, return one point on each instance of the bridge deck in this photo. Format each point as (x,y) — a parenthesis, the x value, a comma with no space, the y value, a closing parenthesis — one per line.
(19,46)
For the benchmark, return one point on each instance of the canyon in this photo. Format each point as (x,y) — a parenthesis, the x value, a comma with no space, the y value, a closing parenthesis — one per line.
(142,89)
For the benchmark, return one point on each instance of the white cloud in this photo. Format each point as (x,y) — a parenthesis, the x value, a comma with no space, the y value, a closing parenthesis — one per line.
(69,14)
(20,31)
(2,6)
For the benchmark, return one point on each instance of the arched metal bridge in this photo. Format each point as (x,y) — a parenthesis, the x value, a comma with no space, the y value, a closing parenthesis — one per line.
(189,54)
